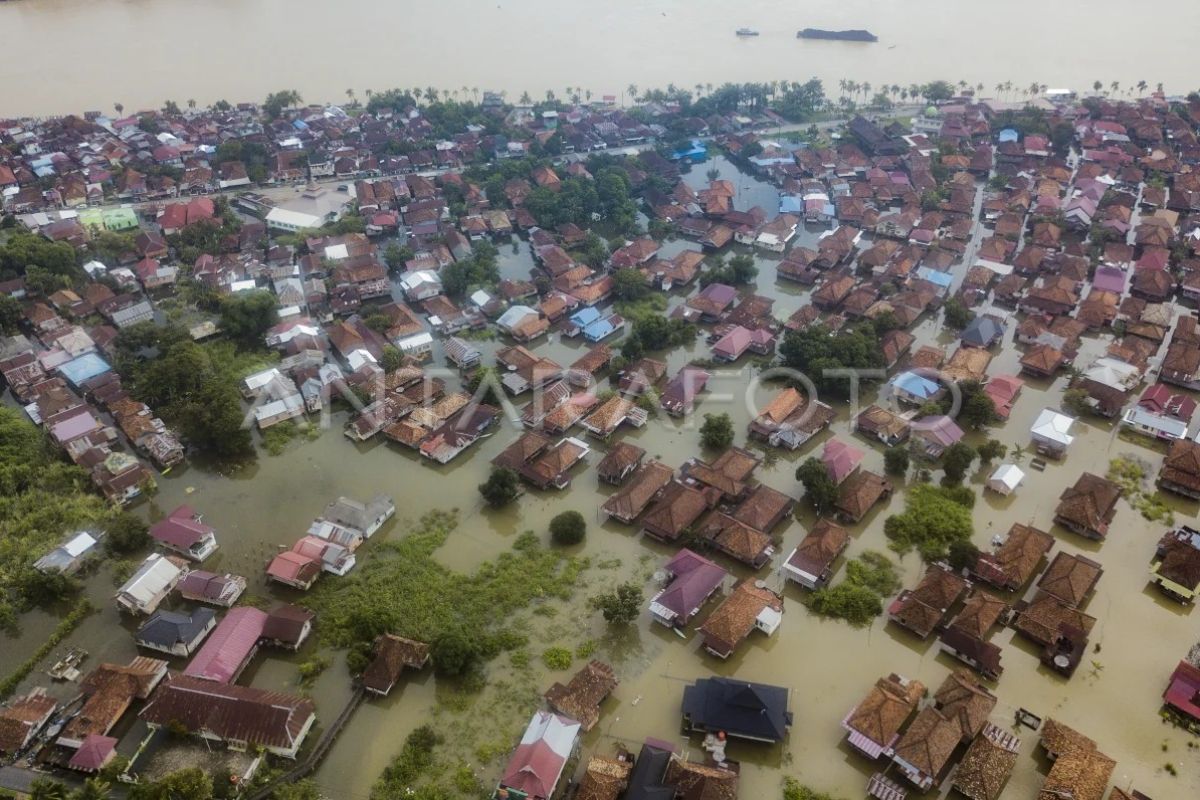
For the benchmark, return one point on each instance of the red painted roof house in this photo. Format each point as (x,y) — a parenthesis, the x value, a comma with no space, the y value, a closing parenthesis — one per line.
(184,532)
(230,647)
(691,580)
(537,764)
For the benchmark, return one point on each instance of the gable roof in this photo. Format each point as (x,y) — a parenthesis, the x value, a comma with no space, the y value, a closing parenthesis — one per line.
(740,708)
(537,763)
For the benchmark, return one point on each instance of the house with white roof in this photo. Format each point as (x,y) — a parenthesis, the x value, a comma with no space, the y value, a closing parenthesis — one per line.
(1051,432)
(68,557)
(150,584)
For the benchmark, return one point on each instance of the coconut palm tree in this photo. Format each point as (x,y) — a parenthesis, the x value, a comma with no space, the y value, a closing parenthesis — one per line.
(191,103)
(1141,87)
(119,108)
(843,85)
(979,87)
(549,95)
(526,99)
(350,95)
(1097,86)
(632,89)
(1115,86)
(1158,87)
(587,94)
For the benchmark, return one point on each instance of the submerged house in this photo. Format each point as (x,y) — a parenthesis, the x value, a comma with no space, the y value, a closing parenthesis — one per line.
(540,462)
(176,633)
(874,725)
(231,646)
(208,587)
(1088,507)
(580,698)
(691,580)
(926,607)
(150,584)
(790,420)
(748,607)
(678,507)
(754,711)
(1180,471)
(184,531)
(633,498)
(810,564)
(23,718)
(392,655)
(1015,560)
(1176,565)
(240,717)
(679,396)
(536,766)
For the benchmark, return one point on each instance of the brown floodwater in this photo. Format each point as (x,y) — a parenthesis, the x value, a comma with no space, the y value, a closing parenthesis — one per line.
(143,52)
(1114,697)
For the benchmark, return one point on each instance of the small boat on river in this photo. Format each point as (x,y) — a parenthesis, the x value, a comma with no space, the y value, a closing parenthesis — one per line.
(747,32)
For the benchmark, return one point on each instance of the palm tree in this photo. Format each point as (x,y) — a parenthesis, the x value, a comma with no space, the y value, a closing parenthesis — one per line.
(368,93)
(999,87)
(1097,86)
(93,789)
(119,108)
(1115,86)
(191,103)
(708,88)
(866,90)
(46,789)
(1158,87)
(1033,88)
(1008,87)
(549,95)
(587,94)
(526,99)
(475,93)
(632,89)
(843,85)
(431,94)
(904,95)
(350,95)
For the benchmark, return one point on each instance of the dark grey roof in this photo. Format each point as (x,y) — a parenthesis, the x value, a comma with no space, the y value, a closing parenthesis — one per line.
(167,628)
(750,710)
(649,772)
(983,330)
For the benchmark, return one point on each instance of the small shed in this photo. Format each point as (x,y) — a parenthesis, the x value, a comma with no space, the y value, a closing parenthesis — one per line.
(1005,479)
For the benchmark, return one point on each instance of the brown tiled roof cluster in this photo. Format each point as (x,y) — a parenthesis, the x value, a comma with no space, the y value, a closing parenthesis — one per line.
(1080,771)
(923,609)
(1090,503)
(392,655)
(1044,618)
(860,492)
(986,766)
(929,741)
(1070,578)
(630,501)
(604,779)
(1017,559)
(694,781)
(1182,465)
(733,620)
(962,698)
(886,708)
(580,698)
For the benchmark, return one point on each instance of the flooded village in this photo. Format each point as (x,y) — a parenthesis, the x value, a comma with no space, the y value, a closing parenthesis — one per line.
(879,429)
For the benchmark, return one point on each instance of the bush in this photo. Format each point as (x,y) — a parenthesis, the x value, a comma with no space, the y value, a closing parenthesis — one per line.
(896,460)
(501,487)
(556,657)
(127,533)
(794,790)
(622,605)
(568,528)
(957,315)
(717,431)
(859,598)
(454,653)
(991,450)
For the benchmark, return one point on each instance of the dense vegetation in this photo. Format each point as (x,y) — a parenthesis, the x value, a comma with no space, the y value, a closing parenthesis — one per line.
(934,518)
(42,498)
(193,387)
(814,352)
(622,605)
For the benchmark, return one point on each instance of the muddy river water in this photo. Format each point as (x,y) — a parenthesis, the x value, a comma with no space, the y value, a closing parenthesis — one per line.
(143,52)
(1114,697)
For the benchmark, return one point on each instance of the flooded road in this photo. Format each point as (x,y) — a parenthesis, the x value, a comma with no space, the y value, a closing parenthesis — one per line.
(143,52)
(1113,698)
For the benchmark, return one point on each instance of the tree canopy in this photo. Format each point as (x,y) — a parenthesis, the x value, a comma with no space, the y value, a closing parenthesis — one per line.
(933,519)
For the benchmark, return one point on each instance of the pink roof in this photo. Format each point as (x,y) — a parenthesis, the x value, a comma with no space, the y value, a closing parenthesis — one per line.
(93,754)
(1159,399)
(695,579)
(1184,692)
(232,642)
(1110,279)
(182,528)
(1003,390)
(289,565)
(1154,258)
(74,427)
(538,761)
(840,459)
(734,343)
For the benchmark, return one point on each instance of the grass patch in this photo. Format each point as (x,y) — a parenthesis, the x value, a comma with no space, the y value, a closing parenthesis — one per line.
(275,438)
(794,790)
(309,670)
(1130,475)
(403,589)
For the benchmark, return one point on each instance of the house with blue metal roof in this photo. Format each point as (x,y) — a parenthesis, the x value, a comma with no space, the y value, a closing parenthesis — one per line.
(915,389)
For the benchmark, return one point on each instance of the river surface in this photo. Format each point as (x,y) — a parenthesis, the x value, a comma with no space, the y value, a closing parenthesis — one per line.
(1114,697)
(141,53)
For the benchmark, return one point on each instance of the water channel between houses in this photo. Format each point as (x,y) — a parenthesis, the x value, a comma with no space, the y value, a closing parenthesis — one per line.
(1113,698)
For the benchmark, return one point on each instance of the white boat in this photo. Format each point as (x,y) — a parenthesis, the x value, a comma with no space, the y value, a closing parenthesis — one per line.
(747,32)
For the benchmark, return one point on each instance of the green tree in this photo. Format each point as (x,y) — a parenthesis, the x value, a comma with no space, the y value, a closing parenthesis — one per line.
(127,533)
(958,316)
(1076,401)
(717,431)
(934,517)
(396,257)
(92,789)
(276,102)
(622,605)
(11,314)
(246,316)
(568,528)
(896,460)
(629,284)
(794,790)
(501,487)
(454,653)
(978,410)
(819,488)
(856,604)
(47,789)
(192,783)
(957,460)
(392,359)
(37,588)
(962,554)
(742,268)
(991,450)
